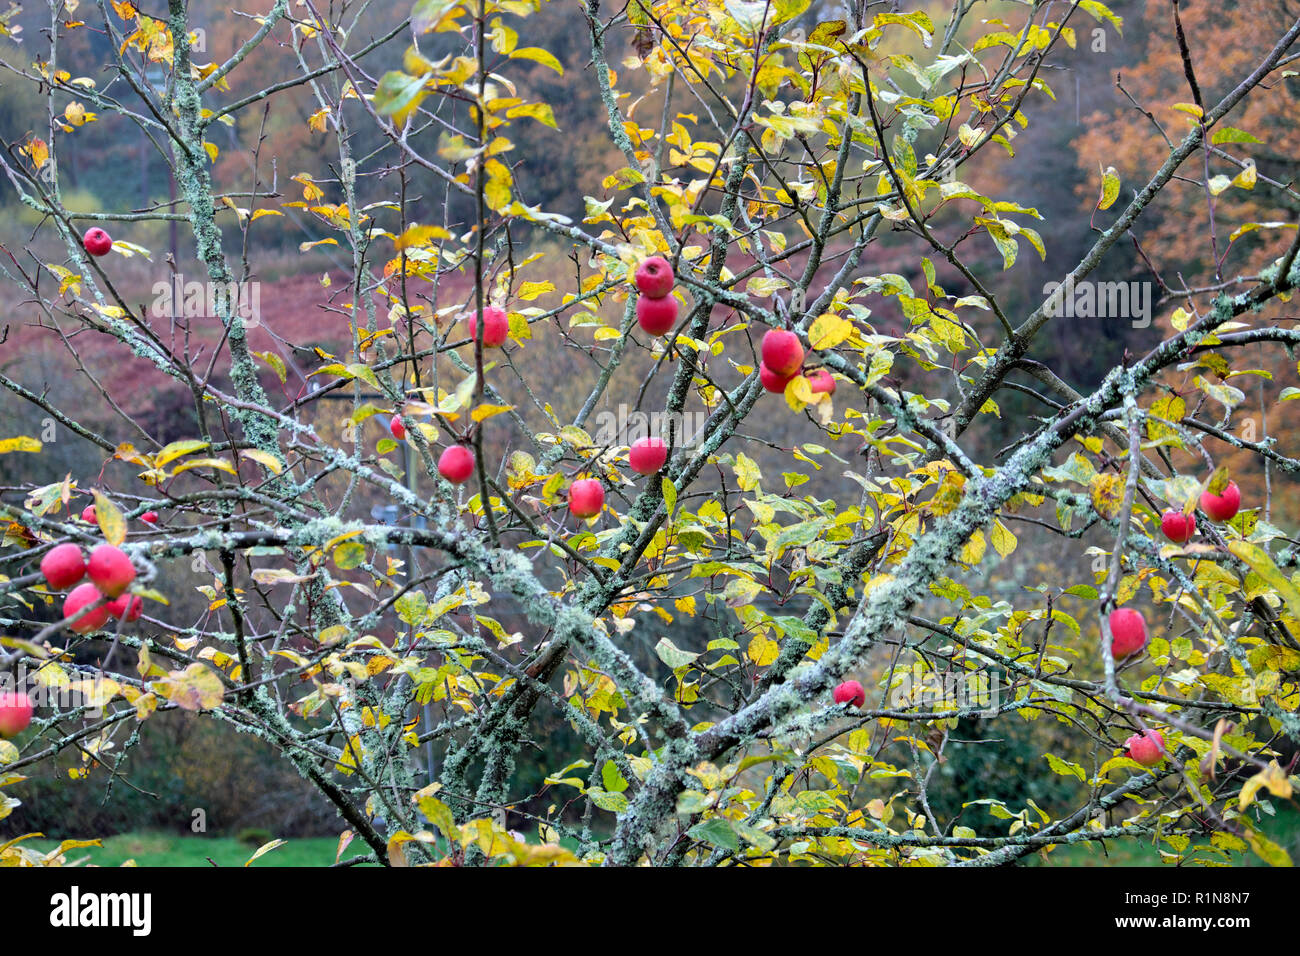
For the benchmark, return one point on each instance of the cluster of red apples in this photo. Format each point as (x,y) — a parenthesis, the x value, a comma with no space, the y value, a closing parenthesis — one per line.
(1179,527)
(656,312)
(656,306)
(783,362)
(110,572)
(1128,628)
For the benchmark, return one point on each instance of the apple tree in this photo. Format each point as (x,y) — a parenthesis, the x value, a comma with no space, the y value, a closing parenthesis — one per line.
(558,645)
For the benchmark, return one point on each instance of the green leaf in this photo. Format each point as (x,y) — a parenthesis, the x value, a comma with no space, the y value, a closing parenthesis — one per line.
(412,607)
(1064,767)
(755,836)
(1267,850)
(440,815)
(1230,134)
(398,95)
(349,554)
(614,780)
(716,831)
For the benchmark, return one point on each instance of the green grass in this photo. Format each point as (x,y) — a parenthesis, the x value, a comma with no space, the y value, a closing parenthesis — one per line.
(1282,828)
(168,849)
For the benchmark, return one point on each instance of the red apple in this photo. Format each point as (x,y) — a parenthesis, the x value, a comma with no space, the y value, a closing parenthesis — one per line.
(88,514)
(654,277)
(771,381)
(656,316)
(496,327)
(110,569)
(397,428)
(782,352)
(1222,507)
(586,497)
(1178,527)
(850,692)
(149,517)
(821,380)
(1147,748)
(456,464)
(647,455)
(15,712)
(1128,632)
(63,567)
(82,596)
(128,606)
(97,242)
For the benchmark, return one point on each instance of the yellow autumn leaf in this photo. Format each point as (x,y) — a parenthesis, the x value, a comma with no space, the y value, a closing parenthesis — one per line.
(1004,542)
(762,650)
(21,443)
(110,519)
(483,412)
(264,849)
(1262,564)
(1107,493)
(1273,777)
(531,290)
(176,449)
(1109,188)
(747,472)
(38,151)
(799,394)
(263,458)
(195,688)
(828,331)
(418,236)
(218,463)
(973,551)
